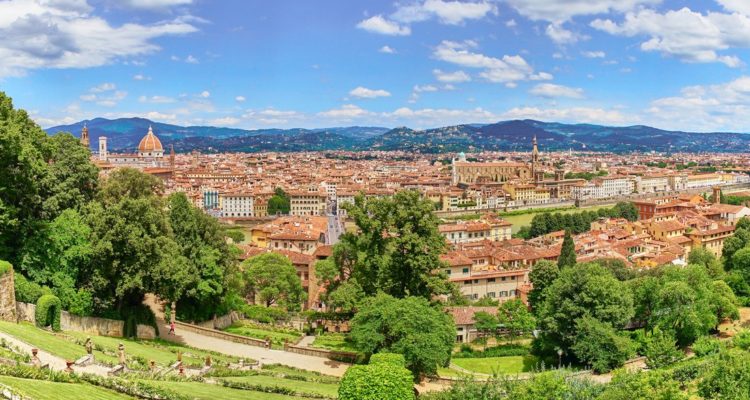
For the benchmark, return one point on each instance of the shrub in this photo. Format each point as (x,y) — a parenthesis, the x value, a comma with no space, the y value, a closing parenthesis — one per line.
(706,345)
(48,309)
(28,291)
(661,351)
(376,382)
(388,358)
(742,340)
(728,378)
(505,350)
(266,315)
(138,315)
(5,267)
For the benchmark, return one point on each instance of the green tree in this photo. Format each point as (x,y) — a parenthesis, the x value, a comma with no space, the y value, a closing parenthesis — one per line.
(409,326)
(515,317)
(728,378)
(567,252)
(485,323)
(661,350)
(588,290)
(542,275)
(652,385)
(599,345)
(279,203)
(378,381)
(274,280)
(397,247)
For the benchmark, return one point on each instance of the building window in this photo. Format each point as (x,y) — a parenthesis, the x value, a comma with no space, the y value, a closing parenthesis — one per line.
(465,271)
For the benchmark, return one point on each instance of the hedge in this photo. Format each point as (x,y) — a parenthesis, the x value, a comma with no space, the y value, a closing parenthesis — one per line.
(5,267)
(46,305)
(28,291)
(376,382)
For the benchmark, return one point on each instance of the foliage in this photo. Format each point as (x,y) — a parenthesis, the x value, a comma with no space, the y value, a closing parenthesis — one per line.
(505,350)
(587,290)
(388,358)
(600,345)
(515,318)
(279,203)
(645,385)
(661,350)
(485,323)
(396,249)
(728,378)
(706,345)
(236,235)
(410,326)
(567,252)
(541,276)
(382,381)
(273,278)
(579,222)
(5,267)
(585,175)
(742,340)
(48,310)
(28,291)
(266,315)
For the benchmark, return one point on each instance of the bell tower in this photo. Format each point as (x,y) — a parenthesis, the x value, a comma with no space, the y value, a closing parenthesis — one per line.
(536,172)
(85,141)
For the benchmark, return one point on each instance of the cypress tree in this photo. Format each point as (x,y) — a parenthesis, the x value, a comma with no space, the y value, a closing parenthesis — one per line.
(568,252)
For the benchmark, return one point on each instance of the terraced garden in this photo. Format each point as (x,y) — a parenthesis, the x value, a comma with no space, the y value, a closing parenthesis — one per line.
(259,331)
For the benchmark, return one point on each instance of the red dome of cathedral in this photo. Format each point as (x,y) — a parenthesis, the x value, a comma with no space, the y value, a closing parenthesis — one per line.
(150,143)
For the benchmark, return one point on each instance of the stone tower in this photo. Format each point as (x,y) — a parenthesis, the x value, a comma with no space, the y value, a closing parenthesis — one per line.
(103,148)
(85,141)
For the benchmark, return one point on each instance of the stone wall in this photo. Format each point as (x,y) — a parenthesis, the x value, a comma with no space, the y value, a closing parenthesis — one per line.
(220,322)
(341,356)
(90,325)
(219,334)
(7,296)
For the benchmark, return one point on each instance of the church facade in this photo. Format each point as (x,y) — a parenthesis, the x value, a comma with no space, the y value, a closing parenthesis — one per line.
(149,154)
(484,172)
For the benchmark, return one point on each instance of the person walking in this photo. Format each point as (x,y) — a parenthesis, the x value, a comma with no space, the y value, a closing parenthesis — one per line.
(171,328)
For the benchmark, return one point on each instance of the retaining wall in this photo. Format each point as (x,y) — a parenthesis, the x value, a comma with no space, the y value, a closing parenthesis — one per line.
(91,325)
(219,334)
(7,296)
(343,356)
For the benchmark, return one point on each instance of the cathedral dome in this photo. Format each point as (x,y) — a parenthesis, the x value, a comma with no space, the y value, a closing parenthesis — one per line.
(150,143)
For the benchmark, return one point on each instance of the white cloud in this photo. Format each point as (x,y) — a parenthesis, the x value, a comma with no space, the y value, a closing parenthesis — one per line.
(66,34)
(365,93)
(156,99)
(560,35)
(156,4)
(511,23)
(104,87)
(685,34)
(346,112)
(559,10)
(716,107)
(434,117)
(593,54)
(387,50)
(191,60)
(740,6)
(272,116)
(455,12)
(205,94)
(141,77)
(498,70)
(452,77)
(378,24)
(104,95)
(551,90)
(576,114)
(239,99)
(224,121)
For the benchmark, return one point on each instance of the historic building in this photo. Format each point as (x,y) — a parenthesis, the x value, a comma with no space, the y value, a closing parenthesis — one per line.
(150,153)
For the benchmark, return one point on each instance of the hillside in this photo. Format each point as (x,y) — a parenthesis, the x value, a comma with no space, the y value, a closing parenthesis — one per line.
(124,133)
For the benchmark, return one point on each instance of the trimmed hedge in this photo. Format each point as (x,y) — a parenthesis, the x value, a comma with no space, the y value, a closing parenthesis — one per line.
(5,267)
(28,291)
(48,310)
(376,382)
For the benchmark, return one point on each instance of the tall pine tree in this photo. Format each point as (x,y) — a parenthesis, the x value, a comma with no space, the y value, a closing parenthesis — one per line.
(568,252)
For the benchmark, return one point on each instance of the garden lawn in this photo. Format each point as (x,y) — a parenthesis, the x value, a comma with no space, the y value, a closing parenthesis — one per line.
(164,353)
(45,390)
(521,220)
(326,389)
(503,365)
(260,332)
(207,391)
(50,342)
(333,341)
(290,371)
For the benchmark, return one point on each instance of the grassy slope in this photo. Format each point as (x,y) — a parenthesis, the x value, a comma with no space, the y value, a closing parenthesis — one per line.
(326,389)
(333,341)
(508,365)
(204,391)
(254,331)
(44,390)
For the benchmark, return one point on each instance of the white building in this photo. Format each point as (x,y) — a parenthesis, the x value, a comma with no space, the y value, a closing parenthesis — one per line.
(237,204)
(604,188)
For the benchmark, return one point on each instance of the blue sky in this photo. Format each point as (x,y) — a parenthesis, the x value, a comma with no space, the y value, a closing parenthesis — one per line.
(420,63)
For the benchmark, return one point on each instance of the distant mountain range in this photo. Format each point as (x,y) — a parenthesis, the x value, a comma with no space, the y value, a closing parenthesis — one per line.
(123,134)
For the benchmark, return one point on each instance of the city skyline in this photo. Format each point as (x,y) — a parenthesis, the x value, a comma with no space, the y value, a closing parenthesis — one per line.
(421,64)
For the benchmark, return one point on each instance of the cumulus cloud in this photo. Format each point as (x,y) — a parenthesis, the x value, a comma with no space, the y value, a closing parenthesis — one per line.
(141,77)
(378,24)
(365,93)
(66,34)
(499,70)
(576,114)
(387,50)
(104,94)
(156,99)
(205,94)
(239,99)
(225,121)
(685,34)
(156,4)
(346,112)
(272,116)
(451,77)
(559,11)
(594,54)
(560,35)
(705,107)
(551,90)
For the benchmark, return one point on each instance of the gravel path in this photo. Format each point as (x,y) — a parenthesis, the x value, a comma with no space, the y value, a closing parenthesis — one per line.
(56,363)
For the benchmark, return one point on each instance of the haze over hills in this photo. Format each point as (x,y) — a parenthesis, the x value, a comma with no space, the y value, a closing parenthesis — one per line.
(124,133)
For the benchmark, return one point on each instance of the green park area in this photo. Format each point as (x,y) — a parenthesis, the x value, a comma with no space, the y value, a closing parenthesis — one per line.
(333,341)
(46,390)
(524,219)
(261,331)
(498,365)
